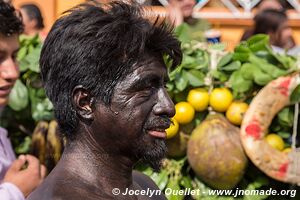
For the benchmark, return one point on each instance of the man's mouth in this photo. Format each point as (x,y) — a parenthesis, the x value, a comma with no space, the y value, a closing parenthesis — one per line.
(158,133)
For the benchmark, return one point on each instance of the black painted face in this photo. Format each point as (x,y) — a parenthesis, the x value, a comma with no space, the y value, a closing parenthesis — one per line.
(140,111)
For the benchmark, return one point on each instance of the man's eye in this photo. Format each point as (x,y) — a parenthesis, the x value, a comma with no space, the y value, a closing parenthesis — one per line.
(145,93)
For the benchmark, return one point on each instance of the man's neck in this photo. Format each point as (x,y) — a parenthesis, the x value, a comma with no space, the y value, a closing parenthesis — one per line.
(95,168)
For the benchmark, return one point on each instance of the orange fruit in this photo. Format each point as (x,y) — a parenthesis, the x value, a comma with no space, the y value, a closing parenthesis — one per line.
(236,111)
(275,141)
(220,99)
(287,150)
(173,129)
(198,98)
(184,112)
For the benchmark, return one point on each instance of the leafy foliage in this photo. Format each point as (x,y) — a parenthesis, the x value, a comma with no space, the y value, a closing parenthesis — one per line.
(251,65)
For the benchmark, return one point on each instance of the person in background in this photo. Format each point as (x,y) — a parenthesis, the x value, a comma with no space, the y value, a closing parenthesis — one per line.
(181,11)
(32,20)
(15,182)
(263,5)
(269,4)
(270,22)
(275,24)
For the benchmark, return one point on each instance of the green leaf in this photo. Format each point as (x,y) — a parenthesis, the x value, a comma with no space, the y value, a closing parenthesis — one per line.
(258,42)
(181,96)
(182,33)
(167,60)
(219,75)
(233,66)
(188,61)
(33,59)
(186,182)
(242,57)
(238,83)
(18,98)
(224,60)
(23,65)
(42,109)
(217,46)
(174,187)
(162,179)
(295,96)
(288,62)
(170,86)
(195,77)
(262,79)
(286,117)
(266,67)
(22,53)
(241,52)
(24,147)
(258,183)
(283,134)
(175,73)
(181,81)
(249,70)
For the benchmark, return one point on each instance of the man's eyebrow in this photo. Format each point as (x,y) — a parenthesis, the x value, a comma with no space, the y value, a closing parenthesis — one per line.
(145,80)
(148,77)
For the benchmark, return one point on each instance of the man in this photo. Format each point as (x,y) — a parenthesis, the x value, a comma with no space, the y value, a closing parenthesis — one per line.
(103,70)
(15,182)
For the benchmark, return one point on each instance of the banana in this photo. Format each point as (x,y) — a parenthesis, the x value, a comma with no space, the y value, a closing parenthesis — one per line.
(266,104)
(54,145)
(38,145)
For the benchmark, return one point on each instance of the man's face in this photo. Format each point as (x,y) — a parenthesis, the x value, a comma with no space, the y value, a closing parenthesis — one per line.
(139,113)
(9,71)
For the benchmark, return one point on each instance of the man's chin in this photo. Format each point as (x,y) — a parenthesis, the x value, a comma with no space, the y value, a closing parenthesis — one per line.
(153,154)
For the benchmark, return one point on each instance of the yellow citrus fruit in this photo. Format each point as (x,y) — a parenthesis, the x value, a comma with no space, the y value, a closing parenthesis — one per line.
(287,150)
(275,141)
(236,111)
(198,98)
(173,129)
(184,112)
(220,99)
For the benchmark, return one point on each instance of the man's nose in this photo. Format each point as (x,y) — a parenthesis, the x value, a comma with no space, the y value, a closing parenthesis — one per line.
(9,71)
(164,105)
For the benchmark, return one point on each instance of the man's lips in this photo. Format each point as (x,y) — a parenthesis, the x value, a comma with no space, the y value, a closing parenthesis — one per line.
(158,133)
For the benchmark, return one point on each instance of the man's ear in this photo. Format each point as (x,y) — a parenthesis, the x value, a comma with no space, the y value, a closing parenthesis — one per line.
(83,103)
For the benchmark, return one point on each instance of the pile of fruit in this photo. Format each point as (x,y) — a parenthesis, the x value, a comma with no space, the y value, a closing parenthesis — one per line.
(219,100)
(212,92)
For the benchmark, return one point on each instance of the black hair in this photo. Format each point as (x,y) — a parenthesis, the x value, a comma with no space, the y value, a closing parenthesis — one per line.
(10,20)
(34,13)
(97,47)
(269,21)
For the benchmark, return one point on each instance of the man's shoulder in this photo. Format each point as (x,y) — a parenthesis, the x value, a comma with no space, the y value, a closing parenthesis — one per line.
(146,183)
(143,180)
